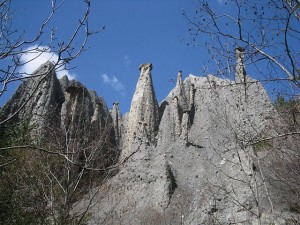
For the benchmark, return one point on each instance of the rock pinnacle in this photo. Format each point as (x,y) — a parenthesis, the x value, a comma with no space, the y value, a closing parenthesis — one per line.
(143,117)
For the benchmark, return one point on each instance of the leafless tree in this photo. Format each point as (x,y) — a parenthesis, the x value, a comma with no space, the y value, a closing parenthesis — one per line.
(57,167)
(269,34)
(14,44)
(72,160)
(268,30)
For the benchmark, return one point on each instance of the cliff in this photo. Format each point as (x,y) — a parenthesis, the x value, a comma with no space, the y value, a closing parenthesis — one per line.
(65,114)
(201,156)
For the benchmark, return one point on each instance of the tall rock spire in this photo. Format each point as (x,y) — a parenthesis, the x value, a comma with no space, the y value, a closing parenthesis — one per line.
(117,121)
(179,82)
(179,89)
(143,117)
(176,116)
(180,92)
(240,73)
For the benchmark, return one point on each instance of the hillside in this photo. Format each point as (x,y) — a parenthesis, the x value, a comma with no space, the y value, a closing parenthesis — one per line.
(214,151)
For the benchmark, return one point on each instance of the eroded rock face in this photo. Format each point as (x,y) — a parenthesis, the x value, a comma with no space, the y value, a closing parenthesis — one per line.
(195,159)
(201,167)
(207,153)
(38,100)
(59,110)
(83,113)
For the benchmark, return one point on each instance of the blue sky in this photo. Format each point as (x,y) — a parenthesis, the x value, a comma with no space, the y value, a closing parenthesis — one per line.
(137,31)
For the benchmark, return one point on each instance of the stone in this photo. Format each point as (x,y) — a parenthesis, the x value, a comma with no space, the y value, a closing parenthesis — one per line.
(61,112)
(117,121)
(240,72)
(37,97)
(192,159)
(143,117)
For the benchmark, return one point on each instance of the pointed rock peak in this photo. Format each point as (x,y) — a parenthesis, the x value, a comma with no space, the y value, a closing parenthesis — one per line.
(145,75)
(240,72)
(115,109)
(179,84)
(64,79)
(179,78)
(117,121)
(64,82)
(44,69)
(143,118)
(37,99)
(239,54)
(180,92)
(144,87)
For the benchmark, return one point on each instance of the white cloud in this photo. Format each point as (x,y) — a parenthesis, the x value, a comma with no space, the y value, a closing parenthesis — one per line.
(35,56)
(127,60)
(113,82)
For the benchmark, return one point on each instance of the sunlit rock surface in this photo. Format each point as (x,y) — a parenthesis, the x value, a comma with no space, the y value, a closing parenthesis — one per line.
(195,158)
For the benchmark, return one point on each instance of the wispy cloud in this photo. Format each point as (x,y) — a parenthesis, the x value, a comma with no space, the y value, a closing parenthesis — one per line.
(127,60)
(114,83)
(35,56)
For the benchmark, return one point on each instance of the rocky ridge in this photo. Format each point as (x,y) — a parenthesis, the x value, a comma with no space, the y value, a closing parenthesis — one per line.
(196,158)
(201,167)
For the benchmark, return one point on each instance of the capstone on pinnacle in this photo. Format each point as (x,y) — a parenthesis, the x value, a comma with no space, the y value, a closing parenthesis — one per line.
(145,66)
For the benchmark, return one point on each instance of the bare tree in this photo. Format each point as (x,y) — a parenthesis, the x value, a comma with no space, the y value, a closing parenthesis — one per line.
(268,30)
(268,34)
(59,169)
(69,161)
(13,45)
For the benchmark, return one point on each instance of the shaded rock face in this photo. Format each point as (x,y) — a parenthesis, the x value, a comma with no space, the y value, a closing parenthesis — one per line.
(83,113)
(82,106)
(60,111)
(38,100)
(117,122)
